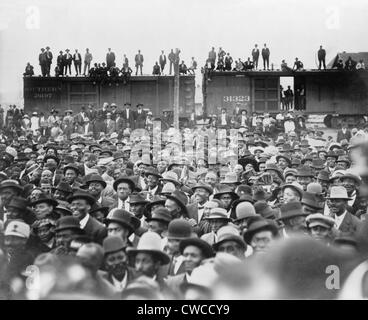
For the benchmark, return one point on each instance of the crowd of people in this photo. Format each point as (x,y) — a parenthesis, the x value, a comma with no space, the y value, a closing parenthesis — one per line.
(235,210)
(108,69)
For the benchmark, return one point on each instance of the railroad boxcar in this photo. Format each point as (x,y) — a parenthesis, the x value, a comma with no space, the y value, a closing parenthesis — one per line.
(41,94)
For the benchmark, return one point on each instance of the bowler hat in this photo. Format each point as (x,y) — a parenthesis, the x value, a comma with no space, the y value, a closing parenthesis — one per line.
(160,214)
(50,156)
(68,222)
(287,159)
(63,210)
(96,178)
(258,226)
(113,244)
(124,218)
(179,229)
(98,208)
(317,164)
(150,242)
(82,195)
(291,210)
(244,210)
(207,251)
(124,179)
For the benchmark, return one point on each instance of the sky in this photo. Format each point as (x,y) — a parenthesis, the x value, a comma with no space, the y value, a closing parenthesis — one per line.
(290,28)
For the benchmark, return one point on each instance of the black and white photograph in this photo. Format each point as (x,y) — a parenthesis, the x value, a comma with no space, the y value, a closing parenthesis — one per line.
(190,151)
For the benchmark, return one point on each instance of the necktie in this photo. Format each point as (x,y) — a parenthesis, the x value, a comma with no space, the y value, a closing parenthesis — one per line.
(172,266)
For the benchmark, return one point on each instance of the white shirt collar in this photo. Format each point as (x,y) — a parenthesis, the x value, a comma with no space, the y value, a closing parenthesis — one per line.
(120,285)
(84,221)
(339,219)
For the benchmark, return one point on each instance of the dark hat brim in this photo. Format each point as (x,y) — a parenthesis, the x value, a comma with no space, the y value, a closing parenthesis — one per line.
(248,235)
(124,180)
(199,243)
(99,181)
(86,197)
(53,202)
(162,256)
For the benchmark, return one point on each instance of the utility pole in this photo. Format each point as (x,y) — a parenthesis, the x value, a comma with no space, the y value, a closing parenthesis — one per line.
(176,89)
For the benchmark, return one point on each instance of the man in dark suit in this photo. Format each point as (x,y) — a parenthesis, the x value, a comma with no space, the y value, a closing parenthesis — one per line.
(266,57)
(110,59)
(224,120)
(77,58)
(43,62)
(60,62)
(80,204)
(321,58)
(255,56)
(337,203)
(49,57)
(96,185)
(343,133)
(68,58)
(118,273)
(128,116)
(140,117)
(171,59)
(138,62)
(162,61)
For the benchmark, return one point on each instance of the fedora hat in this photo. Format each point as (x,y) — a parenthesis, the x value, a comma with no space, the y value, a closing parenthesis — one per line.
(113,244)
(281,156)
(258,226)
(150,242)
(96,178)
(124,179)
(205,247)
(338,192)
(323,175)
(291,210)
(263,209)
(229,233)
(318,164)
(136,198)
(61,209)
(82,195)
(98,208)
(304,144)
(218,213)
(180,198)
(63,186)
(19,203)
(124,218)
(68,222)
(168,188)
(304,171)
(45,199)
(207,187)
(179,229)
(170,176)
(152,172)
(11,184)
(225,190)
(160,214)
(352,176)
(312,200)
(155,201)
(295,186)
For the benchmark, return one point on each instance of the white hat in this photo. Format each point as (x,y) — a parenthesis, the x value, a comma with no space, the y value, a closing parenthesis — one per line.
(11,151)
(18,229)
(114,135)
